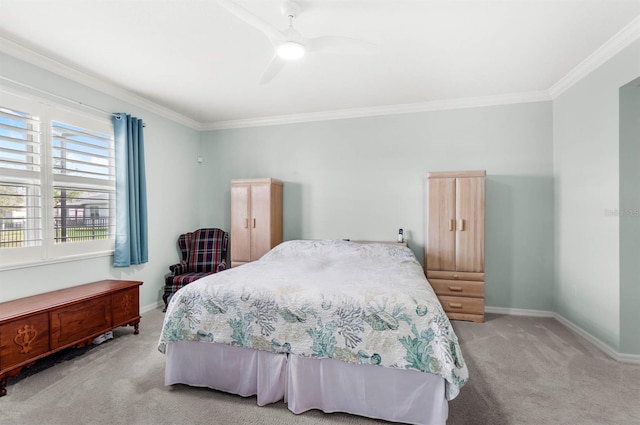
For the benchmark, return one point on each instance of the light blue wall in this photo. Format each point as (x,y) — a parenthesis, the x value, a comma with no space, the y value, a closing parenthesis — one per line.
(364,178)
(587,176)
(171,155)
(630,217)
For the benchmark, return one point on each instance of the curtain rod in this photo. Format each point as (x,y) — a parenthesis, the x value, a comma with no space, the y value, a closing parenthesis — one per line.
(66,99)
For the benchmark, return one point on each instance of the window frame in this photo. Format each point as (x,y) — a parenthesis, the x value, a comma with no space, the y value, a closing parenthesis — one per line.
(50,252)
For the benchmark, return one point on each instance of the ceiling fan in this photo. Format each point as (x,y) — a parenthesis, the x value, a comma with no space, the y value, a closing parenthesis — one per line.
(289,44)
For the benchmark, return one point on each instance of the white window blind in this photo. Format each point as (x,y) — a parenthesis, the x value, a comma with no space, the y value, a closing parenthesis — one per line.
(57,181)
(20,171)
(84,184)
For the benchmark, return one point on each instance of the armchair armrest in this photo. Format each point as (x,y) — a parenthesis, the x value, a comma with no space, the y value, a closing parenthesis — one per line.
(178,269)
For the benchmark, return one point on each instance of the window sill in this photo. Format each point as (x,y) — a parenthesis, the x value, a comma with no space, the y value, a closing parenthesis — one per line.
(5,267)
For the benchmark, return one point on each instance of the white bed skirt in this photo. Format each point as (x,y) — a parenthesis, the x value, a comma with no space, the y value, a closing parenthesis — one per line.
(395,395)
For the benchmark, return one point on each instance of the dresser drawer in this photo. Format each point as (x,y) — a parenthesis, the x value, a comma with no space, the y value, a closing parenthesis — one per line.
(71,324)
(451,275)
(23,339)
(462,304)
(125,306)
(458,288)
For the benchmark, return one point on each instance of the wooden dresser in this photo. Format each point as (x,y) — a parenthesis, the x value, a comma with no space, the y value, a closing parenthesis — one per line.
(36,326)
(454,252)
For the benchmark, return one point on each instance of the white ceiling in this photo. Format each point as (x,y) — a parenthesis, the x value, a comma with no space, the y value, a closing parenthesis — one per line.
(195,58)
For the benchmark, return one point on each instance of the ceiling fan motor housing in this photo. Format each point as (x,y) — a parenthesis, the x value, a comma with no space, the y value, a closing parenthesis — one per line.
(290,8)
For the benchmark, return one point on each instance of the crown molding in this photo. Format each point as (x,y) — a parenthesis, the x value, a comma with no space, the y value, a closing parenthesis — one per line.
(409,108)
(613,46)
(26,54)
(617,43)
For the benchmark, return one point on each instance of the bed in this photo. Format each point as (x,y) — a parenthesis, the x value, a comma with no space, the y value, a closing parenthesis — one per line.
(320,324)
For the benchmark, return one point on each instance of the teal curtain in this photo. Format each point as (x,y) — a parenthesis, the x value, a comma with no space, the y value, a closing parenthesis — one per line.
(131,246)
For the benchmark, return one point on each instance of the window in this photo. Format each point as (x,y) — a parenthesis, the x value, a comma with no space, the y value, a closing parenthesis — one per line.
(57,182)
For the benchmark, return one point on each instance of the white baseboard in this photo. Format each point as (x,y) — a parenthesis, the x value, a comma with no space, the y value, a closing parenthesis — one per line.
(608,350)
(519,312)
(149,307)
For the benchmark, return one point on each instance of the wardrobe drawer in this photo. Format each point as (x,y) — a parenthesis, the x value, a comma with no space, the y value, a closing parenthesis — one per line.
(462,304)
(451,275)
(458,288)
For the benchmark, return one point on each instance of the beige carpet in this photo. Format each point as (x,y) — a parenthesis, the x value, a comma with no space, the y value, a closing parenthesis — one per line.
(523,371)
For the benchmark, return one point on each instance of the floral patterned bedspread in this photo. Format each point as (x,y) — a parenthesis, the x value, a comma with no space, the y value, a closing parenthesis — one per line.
(359,303)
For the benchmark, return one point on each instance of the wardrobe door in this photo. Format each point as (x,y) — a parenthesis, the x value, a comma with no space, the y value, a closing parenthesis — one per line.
(240,223)
(441,234)
(260,220)
(470,197)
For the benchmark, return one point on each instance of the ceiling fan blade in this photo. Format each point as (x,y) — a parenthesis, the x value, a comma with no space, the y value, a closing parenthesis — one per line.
(276,64)
(341,46)
(272,33)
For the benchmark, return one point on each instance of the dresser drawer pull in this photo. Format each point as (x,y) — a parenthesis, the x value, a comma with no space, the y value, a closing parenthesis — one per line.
(455,305)
(455,288)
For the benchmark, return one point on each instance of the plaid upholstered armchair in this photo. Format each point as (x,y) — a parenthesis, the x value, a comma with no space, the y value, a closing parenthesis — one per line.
(204,252)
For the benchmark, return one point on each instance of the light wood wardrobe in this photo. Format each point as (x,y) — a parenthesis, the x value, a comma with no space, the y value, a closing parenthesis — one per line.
(256,218)
(454,252)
